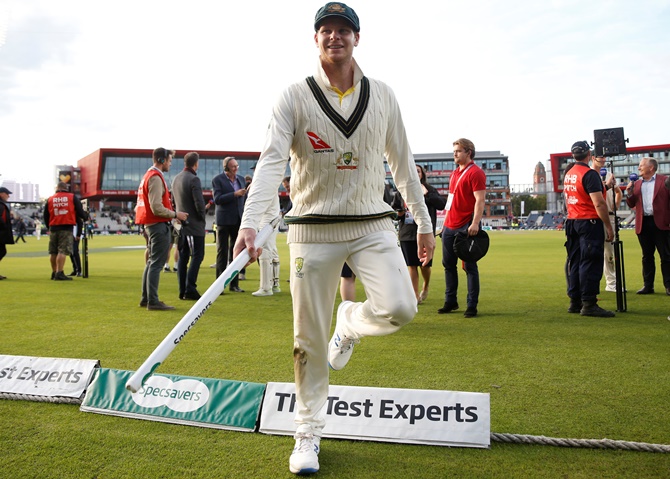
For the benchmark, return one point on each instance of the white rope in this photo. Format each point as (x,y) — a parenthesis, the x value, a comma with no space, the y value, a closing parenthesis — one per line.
(28,397)
(588,443)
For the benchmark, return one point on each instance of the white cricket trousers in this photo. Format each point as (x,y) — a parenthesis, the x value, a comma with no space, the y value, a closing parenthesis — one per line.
(378,263)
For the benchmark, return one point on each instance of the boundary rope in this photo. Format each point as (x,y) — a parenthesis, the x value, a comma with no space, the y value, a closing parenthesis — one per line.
(588,443)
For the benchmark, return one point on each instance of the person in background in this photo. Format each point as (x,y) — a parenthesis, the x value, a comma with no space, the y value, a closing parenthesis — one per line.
(612,199)
(407,233)
(77,234)
(651,200)
(61,215)
(38,229)
(336,127)
(465,207)
(585,234)
(154,211)
(230,193)
(20,230)
(6,234)
(187,193)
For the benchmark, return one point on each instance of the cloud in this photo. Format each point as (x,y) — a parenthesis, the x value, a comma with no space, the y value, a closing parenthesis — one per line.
(30,44)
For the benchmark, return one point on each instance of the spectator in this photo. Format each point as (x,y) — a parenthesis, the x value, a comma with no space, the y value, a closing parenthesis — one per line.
(77,234)
(20,230)
(6,235)
(38,229)
(154,211)
(187,191)
(465,207)
(230,193)
(407,234)
(61,214)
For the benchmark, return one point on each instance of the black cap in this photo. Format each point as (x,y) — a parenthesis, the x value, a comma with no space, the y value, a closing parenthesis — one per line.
(336,9)
(5,190)
(471,248)
(580,148)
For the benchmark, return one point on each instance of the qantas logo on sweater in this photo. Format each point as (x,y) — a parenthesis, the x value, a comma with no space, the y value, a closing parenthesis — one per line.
(318,144)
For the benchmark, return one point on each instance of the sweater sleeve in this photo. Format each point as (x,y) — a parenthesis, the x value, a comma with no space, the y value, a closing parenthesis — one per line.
(272,162)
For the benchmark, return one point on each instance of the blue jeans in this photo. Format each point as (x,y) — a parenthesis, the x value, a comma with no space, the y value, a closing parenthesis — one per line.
(193,248)
(450,263)
(159,246)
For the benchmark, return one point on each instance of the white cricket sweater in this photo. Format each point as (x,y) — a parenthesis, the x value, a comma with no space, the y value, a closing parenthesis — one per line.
(337,161)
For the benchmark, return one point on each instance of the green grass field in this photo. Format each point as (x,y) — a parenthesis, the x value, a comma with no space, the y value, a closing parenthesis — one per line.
(548,372)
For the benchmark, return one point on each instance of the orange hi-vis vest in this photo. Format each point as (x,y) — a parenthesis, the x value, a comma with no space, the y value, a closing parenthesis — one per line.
(143,213)
(61,209)
(577,200)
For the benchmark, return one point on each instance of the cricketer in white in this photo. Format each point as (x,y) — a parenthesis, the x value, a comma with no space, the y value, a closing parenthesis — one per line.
(337,127)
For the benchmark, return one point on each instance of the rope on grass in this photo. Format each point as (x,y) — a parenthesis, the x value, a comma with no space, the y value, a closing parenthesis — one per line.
(28,397)
(588,443)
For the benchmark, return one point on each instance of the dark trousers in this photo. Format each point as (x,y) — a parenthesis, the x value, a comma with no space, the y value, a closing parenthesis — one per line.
(450,263)
(226,235)
(586,253)
(3,251)
(190,248)
(653,239)
(74,257)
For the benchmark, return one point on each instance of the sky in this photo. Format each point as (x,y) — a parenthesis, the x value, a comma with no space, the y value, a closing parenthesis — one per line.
(526,78)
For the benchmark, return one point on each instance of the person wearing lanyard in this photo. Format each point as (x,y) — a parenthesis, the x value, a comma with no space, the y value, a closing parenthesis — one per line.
(465,207)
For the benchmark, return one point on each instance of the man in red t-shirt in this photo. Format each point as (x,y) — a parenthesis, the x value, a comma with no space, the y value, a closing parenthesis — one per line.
(465,207)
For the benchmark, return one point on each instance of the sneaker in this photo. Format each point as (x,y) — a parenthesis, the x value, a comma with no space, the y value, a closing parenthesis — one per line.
(305,456)
(60,276)
(341,346)
(470,312)
(175,269)
(159,306)
(74,273)
(2,277)
(143,303)
(53,275)
(596,311)
(276,289)
(167,269)
(194,296)
(262,292)
(242,277)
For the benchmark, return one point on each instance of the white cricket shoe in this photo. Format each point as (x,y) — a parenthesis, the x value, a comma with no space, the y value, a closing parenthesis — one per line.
(262,292)
(341,346)
(276,289)
(305,456)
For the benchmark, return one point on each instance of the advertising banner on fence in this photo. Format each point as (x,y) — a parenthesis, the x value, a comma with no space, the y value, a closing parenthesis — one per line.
(45,377)
(214,403)
(411,416)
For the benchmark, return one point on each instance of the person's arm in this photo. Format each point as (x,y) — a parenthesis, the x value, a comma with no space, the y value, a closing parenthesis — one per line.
(198,198)
(269,174)
(480,200)
(79,210)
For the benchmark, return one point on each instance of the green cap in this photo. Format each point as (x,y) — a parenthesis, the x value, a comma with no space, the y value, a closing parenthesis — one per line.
(335,9)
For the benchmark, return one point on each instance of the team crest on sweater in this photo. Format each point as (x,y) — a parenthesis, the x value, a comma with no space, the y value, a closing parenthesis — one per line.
(347,161)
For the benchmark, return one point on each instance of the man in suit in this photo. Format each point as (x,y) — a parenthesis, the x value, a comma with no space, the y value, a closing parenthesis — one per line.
(230,193)
(187,192)
(651,200)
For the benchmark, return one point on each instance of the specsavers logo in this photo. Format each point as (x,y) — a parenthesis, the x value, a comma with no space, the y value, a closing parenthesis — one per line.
(185,395)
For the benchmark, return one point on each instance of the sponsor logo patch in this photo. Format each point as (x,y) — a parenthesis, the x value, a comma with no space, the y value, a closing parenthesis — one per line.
(318,144)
